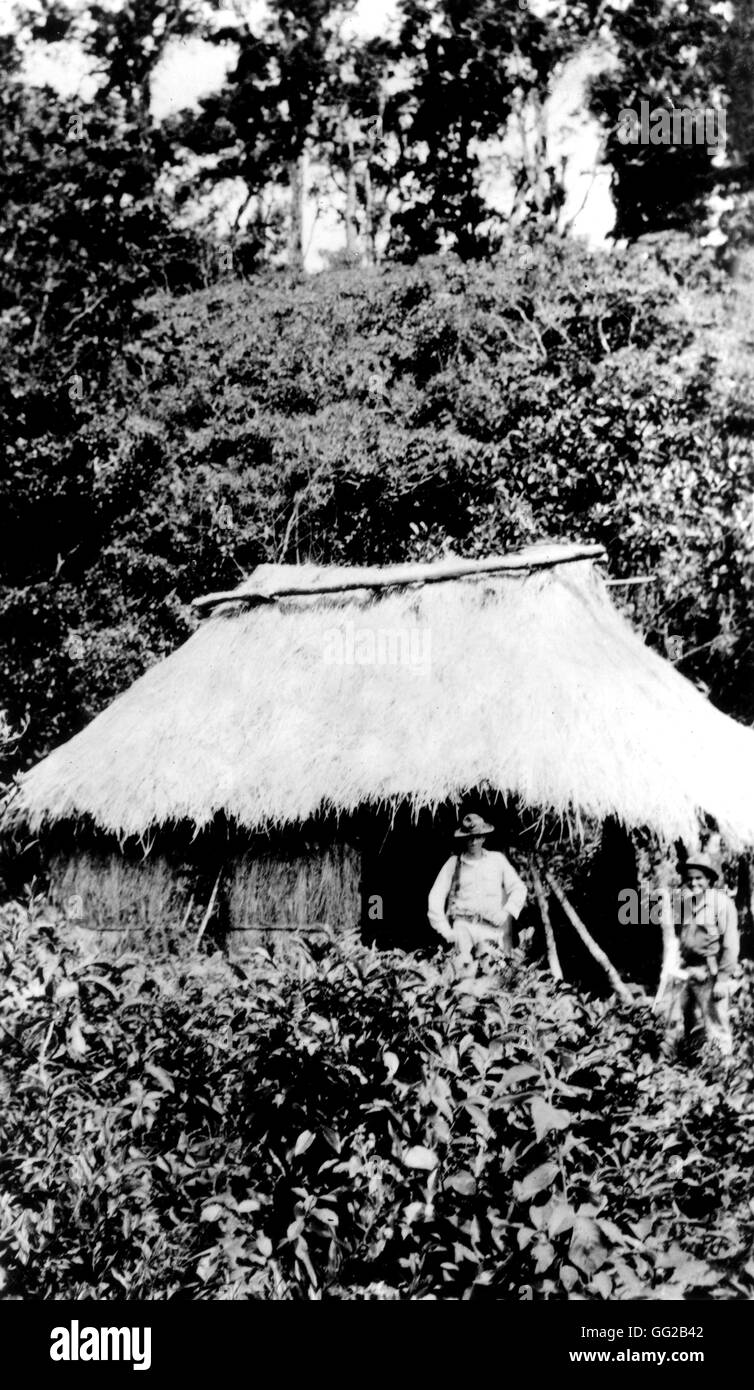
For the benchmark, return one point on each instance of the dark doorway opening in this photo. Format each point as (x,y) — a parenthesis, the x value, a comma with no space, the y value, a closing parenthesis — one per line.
(402,854)
(401,858)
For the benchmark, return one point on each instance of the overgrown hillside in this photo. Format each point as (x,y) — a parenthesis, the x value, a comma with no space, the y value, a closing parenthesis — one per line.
(350,1125)
(381,415)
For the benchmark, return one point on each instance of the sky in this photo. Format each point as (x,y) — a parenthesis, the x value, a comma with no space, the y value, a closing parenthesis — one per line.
(192,69)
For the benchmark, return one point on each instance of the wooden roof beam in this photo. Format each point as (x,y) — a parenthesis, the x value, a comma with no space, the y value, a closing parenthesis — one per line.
(432,572)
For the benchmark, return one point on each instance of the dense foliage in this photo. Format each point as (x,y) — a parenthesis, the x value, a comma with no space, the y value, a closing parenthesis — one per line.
(159,438)
(342,1124)
(672,56)
(401,127)
(376,416)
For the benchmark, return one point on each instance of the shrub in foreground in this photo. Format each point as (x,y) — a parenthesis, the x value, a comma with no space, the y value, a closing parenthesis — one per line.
(337,1123)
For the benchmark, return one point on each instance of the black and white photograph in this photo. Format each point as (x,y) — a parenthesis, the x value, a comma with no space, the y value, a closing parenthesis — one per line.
(377,662)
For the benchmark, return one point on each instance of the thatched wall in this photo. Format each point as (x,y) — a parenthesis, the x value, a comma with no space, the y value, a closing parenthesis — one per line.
(164,901)
(111,902)
(305,892)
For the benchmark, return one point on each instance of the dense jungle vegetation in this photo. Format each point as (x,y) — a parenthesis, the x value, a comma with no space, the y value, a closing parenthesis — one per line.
(179,402)
(375,416)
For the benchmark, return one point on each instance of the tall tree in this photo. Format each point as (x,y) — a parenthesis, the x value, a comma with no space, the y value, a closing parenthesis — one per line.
(738,69)
(264,122)
(354,143)
(472,67)
(128,43)
(669,56)
(125,43)
(85,235)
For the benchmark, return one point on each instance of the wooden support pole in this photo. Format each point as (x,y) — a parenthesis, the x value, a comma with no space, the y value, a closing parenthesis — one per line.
(595,951)
(633,579)
(186,915)
(671,955)
(292,928)
(544,912)
(208,913)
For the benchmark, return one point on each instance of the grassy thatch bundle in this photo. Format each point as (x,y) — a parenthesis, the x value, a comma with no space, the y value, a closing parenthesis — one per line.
(530,684)
(109,901)
(321,888)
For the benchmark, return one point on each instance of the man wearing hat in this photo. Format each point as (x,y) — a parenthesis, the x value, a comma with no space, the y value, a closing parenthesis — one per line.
(709,945)
(477,893)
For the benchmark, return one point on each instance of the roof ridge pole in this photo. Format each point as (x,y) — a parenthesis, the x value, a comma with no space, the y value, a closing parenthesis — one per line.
(405,575)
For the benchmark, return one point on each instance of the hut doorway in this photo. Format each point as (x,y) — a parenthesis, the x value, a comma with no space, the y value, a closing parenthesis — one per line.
(401,856)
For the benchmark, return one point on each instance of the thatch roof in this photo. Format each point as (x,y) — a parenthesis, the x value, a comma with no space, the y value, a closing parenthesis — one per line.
(525,682)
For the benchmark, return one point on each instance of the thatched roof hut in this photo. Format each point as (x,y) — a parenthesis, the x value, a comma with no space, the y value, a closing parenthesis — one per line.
(317,689)
(352,699)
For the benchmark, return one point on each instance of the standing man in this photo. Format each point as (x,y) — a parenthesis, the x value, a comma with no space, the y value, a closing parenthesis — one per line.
(709,946)
(477,894)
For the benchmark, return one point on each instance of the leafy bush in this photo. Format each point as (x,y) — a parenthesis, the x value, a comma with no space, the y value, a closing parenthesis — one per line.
(376,417)
(335,1123)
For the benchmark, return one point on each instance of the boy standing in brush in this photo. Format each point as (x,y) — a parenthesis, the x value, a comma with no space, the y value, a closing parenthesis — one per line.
(477,894)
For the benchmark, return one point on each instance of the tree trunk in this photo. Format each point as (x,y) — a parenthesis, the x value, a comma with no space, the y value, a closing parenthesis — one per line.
(296,218)
(351,228)
(370,249)
(352,231)
(738,77)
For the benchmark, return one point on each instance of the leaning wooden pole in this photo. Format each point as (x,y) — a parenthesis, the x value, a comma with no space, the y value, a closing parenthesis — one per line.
(671,955)
(210,907)
(544,912)
(595,951)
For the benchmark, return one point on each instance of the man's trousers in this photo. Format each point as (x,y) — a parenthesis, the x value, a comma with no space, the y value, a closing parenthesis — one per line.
(694,1013)
(472,934)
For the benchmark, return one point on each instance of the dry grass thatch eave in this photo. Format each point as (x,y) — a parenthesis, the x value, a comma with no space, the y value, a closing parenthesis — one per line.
(535,687)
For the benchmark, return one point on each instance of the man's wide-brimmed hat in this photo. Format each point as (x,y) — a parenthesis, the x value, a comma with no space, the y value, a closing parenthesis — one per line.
(702,861)
(473,825)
